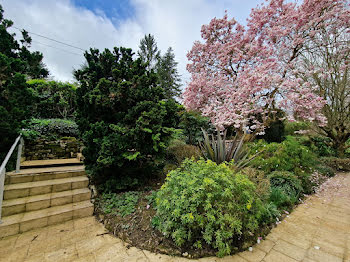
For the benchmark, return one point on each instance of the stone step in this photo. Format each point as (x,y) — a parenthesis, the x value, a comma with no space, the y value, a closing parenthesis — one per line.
(15,224)
(34,188)
(50,163)
(41,174)
(32,203)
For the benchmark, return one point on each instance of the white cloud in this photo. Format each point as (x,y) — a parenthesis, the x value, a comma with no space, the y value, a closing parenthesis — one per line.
(173,23)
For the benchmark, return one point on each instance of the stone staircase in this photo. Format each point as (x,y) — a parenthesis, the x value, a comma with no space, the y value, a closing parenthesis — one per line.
(43,193)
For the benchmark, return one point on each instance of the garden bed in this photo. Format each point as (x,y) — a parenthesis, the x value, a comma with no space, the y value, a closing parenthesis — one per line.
(136,229)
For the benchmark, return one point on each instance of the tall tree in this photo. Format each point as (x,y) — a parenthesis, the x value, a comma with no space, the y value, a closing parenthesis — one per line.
(148,51)
(240,75)
(325,65)
(122,114)
(165,66)
(17,64)
(169,78)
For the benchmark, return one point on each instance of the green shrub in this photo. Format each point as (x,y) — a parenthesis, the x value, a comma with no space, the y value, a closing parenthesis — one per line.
(291,128)
(289,156)
(262,183)
(275,130)
(53,99)
(325,170)
(120,204)
(50,129)
(347,150)
(287,182)
(203,201)
(341,164)
(322,146)
(191,124)
(178,151)
(116,184)
(125,120)
(280,199)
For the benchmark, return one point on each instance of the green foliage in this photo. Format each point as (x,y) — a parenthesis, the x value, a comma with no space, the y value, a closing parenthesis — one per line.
(205,202)
(322,146)
(125,121)
(262,183)
(148,51)
(347,150)
(50,129)
(53,99)
(287,182)
(151,198)
(342,164)
(219,150)
(169,78)
(121,204)
(325,170)
(275,130)
(165,66)
(192,124)
(178,151)
(118,183)
(292,128)
(289,155)
(280,199)
(17,64)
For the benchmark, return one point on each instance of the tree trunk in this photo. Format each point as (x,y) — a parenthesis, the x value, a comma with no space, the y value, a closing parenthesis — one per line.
(340,147)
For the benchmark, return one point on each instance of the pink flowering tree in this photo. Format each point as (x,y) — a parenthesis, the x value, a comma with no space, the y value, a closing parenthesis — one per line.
(240,75)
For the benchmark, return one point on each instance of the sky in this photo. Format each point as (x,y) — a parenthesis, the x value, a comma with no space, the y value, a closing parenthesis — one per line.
(108,23)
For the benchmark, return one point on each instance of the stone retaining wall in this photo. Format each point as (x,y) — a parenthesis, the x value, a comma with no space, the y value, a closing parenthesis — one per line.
(41,149)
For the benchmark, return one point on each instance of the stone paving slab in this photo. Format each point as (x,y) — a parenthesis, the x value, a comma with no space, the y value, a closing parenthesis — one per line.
(317,230)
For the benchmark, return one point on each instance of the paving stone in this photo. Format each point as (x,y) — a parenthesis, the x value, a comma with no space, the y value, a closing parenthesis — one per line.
(265,245)
(253,256)
(275,256)
(321,256)
(330,248)
(290,250)
(235,258)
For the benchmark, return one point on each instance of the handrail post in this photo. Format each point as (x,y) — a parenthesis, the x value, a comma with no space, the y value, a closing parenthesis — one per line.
(2,185)
(19,155)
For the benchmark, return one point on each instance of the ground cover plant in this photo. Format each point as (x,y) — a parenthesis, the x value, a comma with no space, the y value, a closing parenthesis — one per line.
(49,129)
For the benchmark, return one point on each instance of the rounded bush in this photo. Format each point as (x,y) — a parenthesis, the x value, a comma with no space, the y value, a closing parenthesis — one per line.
(261,182)
(178,151)
(287,182)
(203,201)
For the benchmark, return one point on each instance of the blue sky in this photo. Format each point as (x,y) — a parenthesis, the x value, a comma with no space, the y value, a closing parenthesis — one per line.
(108,23)
(117,10)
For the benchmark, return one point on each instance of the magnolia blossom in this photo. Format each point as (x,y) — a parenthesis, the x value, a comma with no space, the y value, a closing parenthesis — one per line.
(240,74)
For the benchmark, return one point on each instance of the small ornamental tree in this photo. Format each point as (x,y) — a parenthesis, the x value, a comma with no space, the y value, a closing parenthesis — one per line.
(123,116)
(240,75)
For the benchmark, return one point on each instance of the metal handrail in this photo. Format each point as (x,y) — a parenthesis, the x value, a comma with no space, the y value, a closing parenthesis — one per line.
(4,163)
